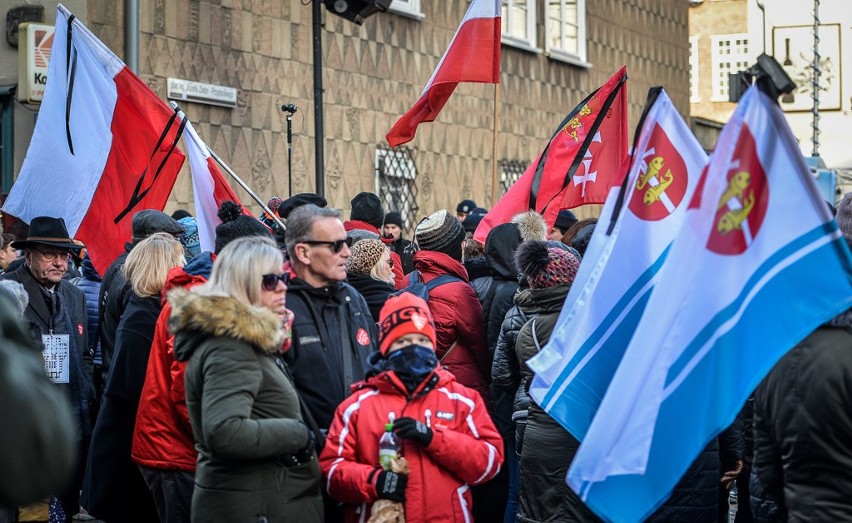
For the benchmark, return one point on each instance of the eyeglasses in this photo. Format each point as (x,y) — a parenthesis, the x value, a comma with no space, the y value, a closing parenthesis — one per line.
(335,246)
(52,255)
(270,281)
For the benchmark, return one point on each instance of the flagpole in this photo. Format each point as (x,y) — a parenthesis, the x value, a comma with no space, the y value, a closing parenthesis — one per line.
(494,145)
(246,188)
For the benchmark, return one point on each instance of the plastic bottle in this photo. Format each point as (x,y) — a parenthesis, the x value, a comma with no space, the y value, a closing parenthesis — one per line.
(389,447)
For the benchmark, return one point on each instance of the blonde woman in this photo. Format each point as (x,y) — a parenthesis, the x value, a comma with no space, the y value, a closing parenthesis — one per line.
(256,455)
(369,269)
(114,489)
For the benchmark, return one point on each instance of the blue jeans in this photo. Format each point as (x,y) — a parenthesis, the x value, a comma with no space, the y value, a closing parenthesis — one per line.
(513,466)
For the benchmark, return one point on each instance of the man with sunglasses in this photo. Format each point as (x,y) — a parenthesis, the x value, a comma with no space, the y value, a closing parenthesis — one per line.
(333,332)
(57,316)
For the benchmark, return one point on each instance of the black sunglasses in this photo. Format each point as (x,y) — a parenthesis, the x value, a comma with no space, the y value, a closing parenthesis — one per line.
(270,281)
(336,246)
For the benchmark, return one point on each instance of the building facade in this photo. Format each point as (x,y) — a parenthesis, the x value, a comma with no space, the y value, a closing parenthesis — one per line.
(554,53)
(727,36)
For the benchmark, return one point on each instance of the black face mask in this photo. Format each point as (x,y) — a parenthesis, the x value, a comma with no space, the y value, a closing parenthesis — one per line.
(412,364)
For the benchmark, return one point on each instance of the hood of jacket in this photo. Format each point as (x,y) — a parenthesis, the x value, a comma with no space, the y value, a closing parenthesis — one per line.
(88,270)
(500,247)
(367,284)
(196,272)
(531,225)
(434,263)
(196,317)
(477,268)
(546,299)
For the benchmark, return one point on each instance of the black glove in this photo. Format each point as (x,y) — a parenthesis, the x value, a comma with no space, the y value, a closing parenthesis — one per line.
(391,486)
(306,453)
(408,428)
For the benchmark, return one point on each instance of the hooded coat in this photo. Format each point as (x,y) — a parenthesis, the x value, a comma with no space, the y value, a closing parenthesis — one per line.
(547,449)
(244,412)
(375,292)
(458,321)
(465,447)
(163,435)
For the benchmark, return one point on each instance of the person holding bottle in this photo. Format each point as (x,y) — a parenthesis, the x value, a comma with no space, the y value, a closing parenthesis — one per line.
(446,434)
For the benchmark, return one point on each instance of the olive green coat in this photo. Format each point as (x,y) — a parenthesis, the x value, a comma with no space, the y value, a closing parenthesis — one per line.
(244,412)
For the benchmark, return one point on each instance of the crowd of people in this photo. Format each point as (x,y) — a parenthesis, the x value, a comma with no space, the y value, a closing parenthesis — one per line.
(333,370)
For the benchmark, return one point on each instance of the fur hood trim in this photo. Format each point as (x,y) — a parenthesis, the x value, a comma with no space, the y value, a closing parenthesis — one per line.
(226,317)
(531,225)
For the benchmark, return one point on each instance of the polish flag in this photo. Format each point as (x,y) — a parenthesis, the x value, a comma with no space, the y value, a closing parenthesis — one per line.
(473,56)
(104,145)
(209,188)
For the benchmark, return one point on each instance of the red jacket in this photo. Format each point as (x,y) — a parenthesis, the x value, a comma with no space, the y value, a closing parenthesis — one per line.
(163,435)
(458,318)
(465,450)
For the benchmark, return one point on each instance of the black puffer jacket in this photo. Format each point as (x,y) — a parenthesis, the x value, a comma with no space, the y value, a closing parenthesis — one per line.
(803,431)
(506,370)
(547,449)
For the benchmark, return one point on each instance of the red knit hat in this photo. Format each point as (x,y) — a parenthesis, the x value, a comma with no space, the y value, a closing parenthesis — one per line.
(401,315)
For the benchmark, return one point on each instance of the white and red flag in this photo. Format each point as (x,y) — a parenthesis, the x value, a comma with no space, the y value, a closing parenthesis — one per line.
(473,56)
(209,188)
(104,145)
(584,158)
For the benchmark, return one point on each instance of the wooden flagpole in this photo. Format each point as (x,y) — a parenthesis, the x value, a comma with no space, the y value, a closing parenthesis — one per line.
(494,180)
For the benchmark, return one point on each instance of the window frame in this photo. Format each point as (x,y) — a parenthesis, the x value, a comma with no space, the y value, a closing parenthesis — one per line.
(694,70)
(408,206)
(730,60)
(581,56)
(408,8)
(529,43)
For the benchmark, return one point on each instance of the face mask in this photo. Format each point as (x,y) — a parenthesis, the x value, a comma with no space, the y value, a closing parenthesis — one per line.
(412,364)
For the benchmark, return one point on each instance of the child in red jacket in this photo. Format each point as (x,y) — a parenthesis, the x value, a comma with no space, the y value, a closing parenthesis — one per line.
(447,435)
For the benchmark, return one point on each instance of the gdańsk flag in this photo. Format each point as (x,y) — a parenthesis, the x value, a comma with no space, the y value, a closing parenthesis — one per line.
(639,221)
(584,158)
(209,188)
(757,266)
(103,148)
(473,56)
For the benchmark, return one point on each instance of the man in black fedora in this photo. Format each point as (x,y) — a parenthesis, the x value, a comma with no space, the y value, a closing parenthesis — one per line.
(57,313)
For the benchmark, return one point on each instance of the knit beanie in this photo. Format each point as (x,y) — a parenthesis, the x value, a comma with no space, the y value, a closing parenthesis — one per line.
(401,315)
(564,220)
(393,218)
(440,232)
(274,203)
(844,215)
(367,207)
(235,225)
(471,221)
(365,255)
(545,267)
(189,239)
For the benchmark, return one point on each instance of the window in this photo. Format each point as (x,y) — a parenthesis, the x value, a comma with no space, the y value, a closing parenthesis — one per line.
(565,29)
(518,23)
(510,171)
(731,54)
(694,80)
(396,176)
(408,8)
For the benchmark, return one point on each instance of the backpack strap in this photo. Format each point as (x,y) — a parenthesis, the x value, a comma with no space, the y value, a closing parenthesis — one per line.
(441,280)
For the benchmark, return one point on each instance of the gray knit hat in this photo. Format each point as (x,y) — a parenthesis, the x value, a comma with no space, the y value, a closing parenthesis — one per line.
(844,215)
(440,232)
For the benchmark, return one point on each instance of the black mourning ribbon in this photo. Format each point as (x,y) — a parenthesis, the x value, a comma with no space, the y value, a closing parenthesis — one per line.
(138,192)
(71,69)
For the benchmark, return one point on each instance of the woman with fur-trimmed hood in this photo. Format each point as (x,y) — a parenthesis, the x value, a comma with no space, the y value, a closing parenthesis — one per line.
(256,455)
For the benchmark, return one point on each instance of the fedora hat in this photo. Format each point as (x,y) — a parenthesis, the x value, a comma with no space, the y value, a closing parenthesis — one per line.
(46,230)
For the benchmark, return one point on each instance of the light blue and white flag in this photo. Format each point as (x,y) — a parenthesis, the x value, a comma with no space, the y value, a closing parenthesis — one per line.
(757,266)
(619,269)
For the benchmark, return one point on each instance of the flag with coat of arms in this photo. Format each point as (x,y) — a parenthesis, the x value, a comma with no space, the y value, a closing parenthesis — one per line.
(639,221)
(758,264)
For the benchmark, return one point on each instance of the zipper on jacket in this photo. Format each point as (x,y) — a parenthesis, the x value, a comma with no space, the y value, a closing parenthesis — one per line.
(429,418)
